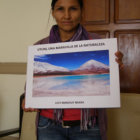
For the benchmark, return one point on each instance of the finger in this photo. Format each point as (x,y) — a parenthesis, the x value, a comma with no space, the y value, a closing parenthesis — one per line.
(31,110)
(121,65)
(23,104)
(118,61)
(118,54)
(28,109)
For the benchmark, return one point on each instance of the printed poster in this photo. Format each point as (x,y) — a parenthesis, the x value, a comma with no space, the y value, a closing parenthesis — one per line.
(80,74)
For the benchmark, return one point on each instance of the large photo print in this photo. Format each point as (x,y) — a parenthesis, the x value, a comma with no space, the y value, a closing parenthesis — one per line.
(81,74)
(71,74)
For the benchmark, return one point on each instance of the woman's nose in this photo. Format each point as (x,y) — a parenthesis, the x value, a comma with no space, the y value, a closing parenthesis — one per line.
(67,14)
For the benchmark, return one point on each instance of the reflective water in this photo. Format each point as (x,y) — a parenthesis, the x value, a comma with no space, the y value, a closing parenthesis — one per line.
(72,85)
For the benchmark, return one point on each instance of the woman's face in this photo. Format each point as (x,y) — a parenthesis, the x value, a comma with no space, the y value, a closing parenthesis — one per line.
(67,14)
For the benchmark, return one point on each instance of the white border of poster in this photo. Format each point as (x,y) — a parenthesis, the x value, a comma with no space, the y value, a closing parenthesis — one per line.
(110,100)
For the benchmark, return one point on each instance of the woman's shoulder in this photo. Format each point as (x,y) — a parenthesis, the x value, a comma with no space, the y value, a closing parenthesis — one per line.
(42,41)
(93,35)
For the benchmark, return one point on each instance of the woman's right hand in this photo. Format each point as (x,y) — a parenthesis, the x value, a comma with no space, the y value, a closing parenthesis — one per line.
(28,109)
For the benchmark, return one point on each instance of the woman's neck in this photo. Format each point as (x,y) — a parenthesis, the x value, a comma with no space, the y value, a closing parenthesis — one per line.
(66,35)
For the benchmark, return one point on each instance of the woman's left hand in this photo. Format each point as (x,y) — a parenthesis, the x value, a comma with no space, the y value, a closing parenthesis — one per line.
(119,57)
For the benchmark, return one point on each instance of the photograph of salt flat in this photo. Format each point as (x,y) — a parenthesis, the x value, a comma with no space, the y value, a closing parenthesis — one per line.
(72,74)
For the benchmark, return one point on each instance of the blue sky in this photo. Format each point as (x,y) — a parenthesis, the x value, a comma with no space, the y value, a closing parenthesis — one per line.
(74,60)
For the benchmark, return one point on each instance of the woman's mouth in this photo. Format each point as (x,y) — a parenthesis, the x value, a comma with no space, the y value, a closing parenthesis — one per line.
(66,22)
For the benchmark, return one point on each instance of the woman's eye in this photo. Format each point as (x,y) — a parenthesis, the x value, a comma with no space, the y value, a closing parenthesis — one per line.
(60,8)
(73,8)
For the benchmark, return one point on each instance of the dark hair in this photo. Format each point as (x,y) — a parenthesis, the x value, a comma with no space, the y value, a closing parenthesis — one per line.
(54,1)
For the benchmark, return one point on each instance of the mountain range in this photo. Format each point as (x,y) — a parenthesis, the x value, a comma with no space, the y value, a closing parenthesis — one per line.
(89,67)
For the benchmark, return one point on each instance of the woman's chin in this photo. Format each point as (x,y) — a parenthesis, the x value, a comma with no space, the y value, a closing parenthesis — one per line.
(68,29)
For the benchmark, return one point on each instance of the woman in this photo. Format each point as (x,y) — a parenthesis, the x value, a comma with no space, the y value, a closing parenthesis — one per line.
(70,124)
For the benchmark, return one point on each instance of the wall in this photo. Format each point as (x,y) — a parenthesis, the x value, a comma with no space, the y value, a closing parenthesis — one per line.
(22,23)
